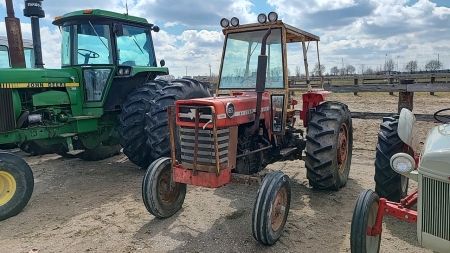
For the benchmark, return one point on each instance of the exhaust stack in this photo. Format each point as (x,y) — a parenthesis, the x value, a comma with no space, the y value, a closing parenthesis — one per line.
(260,79)
(33,10)
(15,40)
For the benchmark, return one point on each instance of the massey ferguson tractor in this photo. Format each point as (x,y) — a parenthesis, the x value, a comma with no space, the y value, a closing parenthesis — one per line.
(398,160)
(98,102)
(250,123)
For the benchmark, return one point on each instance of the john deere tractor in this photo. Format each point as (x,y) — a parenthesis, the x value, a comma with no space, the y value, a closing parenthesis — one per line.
(100,101)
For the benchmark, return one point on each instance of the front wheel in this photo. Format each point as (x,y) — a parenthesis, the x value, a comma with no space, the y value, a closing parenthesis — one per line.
(16,185)
(271,208)
(162,197)
(364,215)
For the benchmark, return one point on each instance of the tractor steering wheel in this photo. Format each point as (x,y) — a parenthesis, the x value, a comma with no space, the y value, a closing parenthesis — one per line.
(436,115)
(87,56)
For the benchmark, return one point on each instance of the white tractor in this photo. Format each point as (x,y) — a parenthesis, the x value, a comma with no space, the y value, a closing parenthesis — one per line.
(398,160)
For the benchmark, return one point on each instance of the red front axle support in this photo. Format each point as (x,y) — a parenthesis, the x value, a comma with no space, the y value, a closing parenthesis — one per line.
(400,210)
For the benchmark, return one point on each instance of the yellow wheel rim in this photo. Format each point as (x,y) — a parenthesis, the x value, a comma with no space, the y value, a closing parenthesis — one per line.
(7,187)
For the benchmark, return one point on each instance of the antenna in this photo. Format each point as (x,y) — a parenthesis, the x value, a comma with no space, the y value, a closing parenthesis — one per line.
(126,5)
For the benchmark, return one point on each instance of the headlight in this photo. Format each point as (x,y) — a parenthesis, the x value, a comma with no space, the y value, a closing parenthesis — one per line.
(127,71)
(262,18)
(234,21)
(120,72)
(273,16)
(402,163)
(224,22)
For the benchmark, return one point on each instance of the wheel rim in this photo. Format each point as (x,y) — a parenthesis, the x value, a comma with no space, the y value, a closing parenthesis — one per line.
(167,194)
(372,242)
(279,209)
(7,187)
(342,150)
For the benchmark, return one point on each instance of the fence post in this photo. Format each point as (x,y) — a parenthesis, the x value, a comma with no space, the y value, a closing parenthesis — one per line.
(391,81)
(405,100)
(433,79)
(355,82)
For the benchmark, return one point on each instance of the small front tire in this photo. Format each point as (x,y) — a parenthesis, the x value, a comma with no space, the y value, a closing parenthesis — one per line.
(16,185)
(271,208)
(364,215)
(162,197)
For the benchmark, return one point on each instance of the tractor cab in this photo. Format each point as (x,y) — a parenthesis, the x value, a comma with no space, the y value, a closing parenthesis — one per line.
(238,70)
(108,47)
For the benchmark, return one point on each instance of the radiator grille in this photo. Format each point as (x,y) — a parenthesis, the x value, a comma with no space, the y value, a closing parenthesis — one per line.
(7,120)
(436,208)
(187,113)
(206,152)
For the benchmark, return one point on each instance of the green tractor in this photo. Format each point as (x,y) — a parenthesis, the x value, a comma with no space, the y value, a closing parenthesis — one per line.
(101,100)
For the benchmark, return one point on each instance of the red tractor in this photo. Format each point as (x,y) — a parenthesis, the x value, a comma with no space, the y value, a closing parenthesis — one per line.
(250,123)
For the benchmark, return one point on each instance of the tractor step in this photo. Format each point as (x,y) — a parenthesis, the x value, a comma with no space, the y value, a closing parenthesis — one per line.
(288,151)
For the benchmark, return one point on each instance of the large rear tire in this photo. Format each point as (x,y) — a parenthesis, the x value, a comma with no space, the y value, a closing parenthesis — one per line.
(329,145)
(16,185)
(388,183)
(34,148)
(132,122)
(271,208)
(157,130)
(364,215)
(99,153)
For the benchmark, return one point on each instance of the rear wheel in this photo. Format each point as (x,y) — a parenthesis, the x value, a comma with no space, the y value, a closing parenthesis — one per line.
(16,185)
(132,122)
(162,197)
(34,148)
(388,183)
(100,153)
(364,216)
(271,208)
(158,130)
(329,145)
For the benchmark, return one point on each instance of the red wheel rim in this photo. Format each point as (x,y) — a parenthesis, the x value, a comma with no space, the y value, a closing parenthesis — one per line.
(168,194)
(279,209)
(342,150)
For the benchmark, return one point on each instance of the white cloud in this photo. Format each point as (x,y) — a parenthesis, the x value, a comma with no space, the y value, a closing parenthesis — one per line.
(169,24)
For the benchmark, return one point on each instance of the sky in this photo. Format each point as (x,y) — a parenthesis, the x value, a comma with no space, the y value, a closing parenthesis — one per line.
(363,33)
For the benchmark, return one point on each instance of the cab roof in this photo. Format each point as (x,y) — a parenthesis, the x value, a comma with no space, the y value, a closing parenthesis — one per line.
(293,34)
(98,14)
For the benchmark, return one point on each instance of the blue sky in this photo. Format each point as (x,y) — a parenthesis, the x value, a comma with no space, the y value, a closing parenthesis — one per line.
(357,32)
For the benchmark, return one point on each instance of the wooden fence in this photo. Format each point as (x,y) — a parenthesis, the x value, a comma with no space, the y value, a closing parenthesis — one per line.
(404,84)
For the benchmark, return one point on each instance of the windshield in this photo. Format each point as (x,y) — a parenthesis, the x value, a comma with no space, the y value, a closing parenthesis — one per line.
(92,44)
(135,47)
(241,60)
(5,61)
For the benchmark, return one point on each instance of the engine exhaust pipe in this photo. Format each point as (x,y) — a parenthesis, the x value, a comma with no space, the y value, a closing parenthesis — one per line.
(14,34)
(260,80)
(33,10)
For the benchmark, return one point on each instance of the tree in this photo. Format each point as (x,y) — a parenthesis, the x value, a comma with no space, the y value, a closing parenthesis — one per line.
(362,68)
(316,69)
(411,66)
(334,70)
(433,65)
(369,71)
(298,71)
(349,69)
(389,65)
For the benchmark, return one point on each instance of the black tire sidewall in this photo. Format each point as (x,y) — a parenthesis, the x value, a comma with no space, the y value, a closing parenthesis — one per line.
(360,219)
(23,176)
(150,190)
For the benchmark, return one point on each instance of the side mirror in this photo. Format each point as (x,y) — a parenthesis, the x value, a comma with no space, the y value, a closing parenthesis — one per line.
(162,62)
(155,29)
(118,29)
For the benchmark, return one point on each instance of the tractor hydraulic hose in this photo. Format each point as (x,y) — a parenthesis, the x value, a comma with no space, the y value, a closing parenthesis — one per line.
(260,80)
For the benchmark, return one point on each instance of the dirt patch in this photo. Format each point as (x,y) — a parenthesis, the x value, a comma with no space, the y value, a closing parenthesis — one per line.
(82,206)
